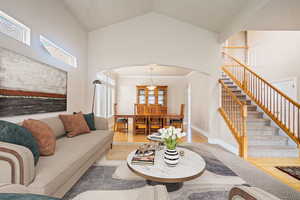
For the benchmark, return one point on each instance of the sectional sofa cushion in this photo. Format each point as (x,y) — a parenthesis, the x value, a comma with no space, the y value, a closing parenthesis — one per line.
(8,196)
(43,134)
(15,134)
(74,124)
(56,125)
(70,155)
(101,123)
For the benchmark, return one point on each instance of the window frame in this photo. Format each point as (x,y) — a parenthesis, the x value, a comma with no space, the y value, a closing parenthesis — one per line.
(45,40)
(26,34)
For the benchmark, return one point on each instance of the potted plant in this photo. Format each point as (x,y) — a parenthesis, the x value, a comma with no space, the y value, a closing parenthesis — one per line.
(171,138)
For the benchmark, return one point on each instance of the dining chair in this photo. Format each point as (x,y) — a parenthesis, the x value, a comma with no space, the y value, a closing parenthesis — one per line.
(155,122)
(178,122)
(120,124)
(141,109)
(141,124)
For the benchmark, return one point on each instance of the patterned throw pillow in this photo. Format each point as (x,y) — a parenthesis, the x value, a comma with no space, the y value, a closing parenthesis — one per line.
(43,134)
(74,124)
(15,134)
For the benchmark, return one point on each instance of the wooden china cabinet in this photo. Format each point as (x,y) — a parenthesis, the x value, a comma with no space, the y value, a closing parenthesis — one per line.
(158,96)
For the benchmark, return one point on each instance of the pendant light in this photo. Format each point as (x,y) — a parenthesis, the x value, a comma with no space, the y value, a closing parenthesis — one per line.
(151,86)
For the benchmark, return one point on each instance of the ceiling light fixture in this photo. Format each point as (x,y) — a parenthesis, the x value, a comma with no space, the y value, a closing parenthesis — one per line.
(151,86)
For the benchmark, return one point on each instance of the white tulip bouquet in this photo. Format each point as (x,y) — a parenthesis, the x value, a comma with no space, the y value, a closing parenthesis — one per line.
(170,136)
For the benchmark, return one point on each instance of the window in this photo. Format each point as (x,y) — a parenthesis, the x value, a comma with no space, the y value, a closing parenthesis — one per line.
(58,53)
(105,95)
(13,28)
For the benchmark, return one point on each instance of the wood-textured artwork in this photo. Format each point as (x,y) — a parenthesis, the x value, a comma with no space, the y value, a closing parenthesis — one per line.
(30,87)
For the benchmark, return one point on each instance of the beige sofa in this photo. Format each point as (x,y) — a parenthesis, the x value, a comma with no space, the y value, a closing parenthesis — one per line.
(55,175)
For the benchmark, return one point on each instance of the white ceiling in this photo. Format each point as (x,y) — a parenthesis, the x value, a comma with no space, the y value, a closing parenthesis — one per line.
(213,15)
(158,70)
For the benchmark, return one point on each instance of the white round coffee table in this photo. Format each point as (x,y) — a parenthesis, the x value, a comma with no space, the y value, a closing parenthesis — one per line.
(190,166)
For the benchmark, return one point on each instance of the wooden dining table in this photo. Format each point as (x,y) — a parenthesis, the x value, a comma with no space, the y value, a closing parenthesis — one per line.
(133,116)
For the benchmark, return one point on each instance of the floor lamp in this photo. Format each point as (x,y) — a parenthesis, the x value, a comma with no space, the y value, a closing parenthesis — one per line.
(95,83)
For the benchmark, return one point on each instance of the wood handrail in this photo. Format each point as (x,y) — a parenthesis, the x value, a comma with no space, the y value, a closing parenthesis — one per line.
(234,113)
(266,82)
(283,110)
(231,93)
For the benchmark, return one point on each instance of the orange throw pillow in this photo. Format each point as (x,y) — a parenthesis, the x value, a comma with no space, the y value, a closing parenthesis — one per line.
(43,134)
(74,124)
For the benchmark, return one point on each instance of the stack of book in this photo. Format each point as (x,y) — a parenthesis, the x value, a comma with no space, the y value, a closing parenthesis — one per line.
(156,136)
(146,158)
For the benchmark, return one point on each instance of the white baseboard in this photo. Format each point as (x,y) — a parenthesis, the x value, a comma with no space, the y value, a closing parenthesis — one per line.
(200,130)
(223,144)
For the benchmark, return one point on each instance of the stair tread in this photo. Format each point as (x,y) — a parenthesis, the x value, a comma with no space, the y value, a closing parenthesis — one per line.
(251,105)
(267,137)
(285,147)
(258,120)
(254,112)
(262,127)
(271,147)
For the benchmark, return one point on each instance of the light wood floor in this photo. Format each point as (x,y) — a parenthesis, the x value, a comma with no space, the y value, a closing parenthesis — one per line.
(129,137)
(268,165)
(265,164)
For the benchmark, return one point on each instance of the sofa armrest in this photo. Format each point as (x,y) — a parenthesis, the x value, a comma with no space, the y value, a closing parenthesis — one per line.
(14,188)
(101,123)
(16,164)
(245,193)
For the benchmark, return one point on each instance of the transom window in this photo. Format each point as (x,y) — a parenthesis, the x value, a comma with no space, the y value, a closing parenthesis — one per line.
(13,28)
(57,52)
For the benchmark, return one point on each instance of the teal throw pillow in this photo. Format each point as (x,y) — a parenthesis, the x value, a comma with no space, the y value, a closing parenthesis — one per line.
(9,196)
(89,118)
(15,134)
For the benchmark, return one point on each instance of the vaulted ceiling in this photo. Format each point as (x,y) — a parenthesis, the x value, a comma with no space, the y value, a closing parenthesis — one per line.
(213,15)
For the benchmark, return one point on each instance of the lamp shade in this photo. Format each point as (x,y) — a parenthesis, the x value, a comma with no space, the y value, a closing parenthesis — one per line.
(97,82)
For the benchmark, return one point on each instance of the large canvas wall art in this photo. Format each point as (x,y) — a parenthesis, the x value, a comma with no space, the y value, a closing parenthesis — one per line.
(30,87)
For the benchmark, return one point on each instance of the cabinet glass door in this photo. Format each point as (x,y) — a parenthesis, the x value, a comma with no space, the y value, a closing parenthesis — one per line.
(142,97)
(151,97)
(161,97)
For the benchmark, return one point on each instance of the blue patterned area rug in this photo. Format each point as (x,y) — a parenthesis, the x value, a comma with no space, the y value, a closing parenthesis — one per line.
(214,184)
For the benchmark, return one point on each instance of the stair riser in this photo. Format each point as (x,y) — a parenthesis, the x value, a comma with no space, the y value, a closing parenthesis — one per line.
(237,92)
(273,154)
(252,108)
(282,142)
(258,123)
(262,132)
(248,102)
(228,83)
(255,115)
(232,86)
(241,97)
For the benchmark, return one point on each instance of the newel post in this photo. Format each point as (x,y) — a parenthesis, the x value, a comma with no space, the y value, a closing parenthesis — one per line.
(244,79)
(244,138)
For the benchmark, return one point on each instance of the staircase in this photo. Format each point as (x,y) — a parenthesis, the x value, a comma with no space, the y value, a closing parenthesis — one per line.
(263,138)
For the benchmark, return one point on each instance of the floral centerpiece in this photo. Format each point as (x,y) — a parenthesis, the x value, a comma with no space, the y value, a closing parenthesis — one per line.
(171,138)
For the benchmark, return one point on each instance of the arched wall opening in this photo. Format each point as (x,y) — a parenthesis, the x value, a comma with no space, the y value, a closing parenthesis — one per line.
(120,87)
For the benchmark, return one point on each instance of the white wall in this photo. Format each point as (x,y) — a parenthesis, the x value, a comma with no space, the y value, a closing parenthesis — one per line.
(204,103)
(50,18)
(275,54)
(126,90)
(153,39)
